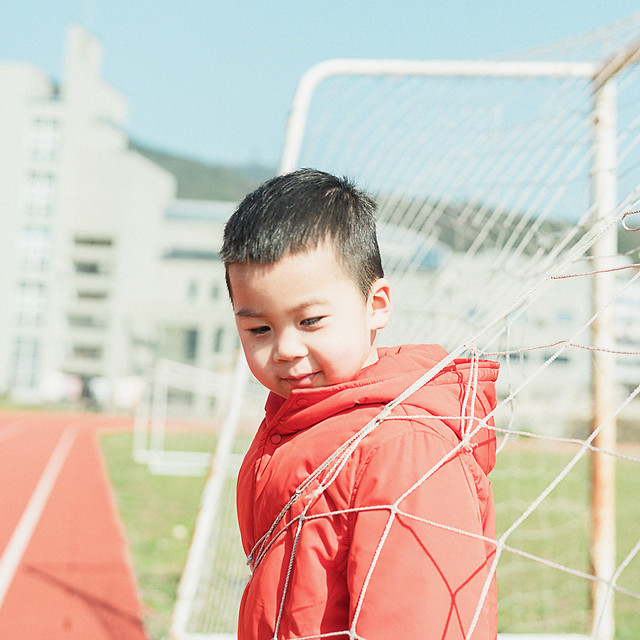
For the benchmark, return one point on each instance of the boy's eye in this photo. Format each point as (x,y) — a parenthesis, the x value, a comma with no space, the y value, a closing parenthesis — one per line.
(309,322)
(259,331)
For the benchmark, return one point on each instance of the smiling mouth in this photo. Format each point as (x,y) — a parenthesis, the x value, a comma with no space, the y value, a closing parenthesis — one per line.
(301,382)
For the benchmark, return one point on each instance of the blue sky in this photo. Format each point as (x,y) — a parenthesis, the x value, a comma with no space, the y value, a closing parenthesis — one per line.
(214,79)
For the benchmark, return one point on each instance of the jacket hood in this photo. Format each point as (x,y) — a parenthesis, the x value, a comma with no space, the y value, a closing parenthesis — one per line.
(446,396)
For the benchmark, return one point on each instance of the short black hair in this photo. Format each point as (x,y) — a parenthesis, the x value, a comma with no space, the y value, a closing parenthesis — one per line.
(294,212)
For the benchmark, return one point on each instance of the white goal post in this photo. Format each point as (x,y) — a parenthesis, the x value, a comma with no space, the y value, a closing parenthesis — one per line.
(605,200)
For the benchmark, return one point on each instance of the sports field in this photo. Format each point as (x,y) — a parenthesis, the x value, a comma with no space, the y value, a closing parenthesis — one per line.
(99,543)
(65,570)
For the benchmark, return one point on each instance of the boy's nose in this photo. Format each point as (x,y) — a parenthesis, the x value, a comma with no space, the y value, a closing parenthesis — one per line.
(289,346)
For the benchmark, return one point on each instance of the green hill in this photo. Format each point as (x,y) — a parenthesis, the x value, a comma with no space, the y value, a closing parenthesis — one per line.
(202,181)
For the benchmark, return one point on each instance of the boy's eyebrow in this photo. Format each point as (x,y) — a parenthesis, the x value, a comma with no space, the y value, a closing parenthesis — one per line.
(247,312)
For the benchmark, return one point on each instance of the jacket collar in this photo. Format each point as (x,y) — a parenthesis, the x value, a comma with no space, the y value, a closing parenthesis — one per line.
(378,384)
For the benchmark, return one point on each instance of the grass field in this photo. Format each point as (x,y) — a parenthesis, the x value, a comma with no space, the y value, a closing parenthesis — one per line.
(159,514)
(538,599)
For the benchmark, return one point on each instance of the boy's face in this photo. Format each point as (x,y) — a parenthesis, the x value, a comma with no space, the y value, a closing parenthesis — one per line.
(303,322)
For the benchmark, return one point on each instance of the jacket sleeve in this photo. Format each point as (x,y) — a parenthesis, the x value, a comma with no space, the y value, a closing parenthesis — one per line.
(418,558)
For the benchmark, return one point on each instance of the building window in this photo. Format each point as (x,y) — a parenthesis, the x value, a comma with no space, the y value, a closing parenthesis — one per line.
(87,267)
(35,248)
(191,345)
(192,291)
(84,294)
(90,241)
(41,193)
(91,268)
(26,363)
(31,303)
(86,322)
(45,139)
(215,291)
(87,352)
(179,343)
(218,339)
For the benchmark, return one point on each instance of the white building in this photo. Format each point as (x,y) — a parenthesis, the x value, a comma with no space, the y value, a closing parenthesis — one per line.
(191,310)
(100,273)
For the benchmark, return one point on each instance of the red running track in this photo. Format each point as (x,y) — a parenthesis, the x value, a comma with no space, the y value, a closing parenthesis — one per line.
(65,571)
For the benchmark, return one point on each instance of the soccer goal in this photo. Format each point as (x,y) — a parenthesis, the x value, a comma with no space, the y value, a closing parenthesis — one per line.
(176,422)
(506,194)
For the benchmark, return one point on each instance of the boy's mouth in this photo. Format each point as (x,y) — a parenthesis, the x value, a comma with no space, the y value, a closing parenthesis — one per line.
(301,382)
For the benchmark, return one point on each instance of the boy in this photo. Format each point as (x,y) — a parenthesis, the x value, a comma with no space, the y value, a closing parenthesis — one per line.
(354,527)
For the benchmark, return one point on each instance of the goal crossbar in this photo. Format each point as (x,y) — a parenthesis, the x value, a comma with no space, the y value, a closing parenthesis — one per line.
(435,68)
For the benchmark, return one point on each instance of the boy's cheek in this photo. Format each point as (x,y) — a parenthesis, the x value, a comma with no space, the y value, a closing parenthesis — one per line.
(256,357)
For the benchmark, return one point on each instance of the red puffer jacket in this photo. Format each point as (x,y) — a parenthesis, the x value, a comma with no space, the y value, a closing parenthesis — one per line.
(392,536)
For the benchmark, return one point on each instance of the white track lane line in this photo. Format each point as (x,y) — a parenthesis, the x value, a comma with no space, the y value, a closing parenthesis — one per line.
(12,556)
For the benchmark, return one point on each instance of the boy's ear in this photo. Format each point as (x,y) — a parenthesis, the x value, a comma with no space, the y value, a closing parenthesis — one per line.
(380,306)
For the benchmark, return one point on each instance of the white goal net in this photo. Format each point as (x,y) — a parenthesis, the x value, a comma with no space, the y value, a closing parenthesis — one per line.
(505,192)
